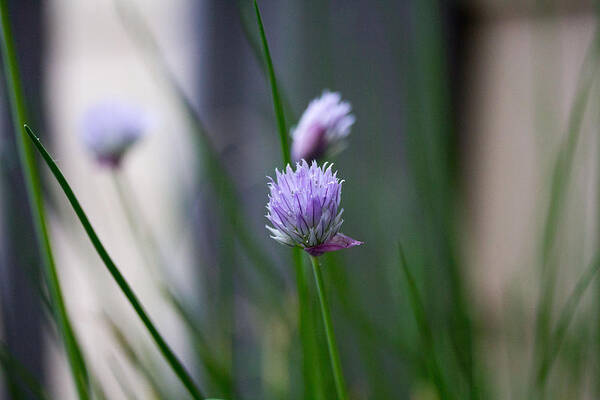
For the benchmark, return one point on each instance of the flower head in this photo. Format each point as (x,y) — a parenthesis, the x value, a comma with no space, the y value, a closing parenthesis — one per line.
(303,209)
(110,129)
(322,127)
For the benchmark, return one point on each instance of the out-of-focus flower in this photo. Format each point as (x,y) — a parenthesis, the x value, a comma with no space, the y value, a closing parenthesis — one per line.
(109,129)
(322,128)
(303,208)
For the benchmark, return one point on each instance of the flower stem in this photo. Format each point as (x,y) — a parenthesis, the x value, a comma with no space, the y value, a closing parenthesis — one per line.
(311,363)
(147,246)
(277,106)
(334,356)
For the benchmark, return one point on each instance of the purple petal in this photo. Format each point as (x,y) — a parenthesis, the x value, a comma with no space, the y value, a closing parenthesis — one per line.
(338,242)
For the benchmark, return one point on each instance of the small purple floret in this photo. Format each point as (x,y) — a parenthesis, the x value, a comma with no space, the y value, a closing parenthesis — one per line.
(303,209)
(109,129)
(322,128)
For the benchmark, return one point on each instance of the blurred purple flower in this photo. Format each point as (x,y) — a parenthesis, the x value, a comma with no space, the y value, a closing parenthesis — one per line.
(303,209)
(110,128)
(322,128)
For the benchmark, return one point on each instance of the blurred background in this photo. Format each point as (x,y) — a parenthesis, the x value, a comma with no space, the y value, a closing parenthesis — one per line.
(475,147)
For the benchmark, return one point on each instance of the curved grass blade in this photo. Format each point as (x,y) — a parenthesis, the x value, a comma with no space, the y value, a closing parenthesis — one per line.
(424,329)
(156,386)
(258,54)
(162,345)
(32,182)
(218,373)
(561,174)
(283,135)
(430,141)
(148,247)
(564,321)
(119,374)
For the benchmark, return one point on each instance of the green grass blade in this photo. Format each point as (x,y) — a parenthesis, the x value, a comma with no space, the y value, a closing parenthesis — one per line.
(32,182)
(564,161)
(424,329)
(283,134)
(148,247)
(218,373)
(431,142)
(119,376)
(336,365)
(155,385)
(558,188)
(564,321)
(164,348)
(311,365)
(258,54)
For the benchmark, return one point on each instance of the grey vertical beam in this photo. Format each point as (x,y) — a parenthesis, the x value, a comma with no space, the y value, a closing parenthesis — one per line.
(20,303)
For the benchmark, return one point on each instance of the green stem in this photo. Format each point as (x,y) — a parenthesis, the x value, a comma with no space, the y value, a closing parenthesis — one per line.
(424,329)
(310,363)
(334,356)
(148,248)
(164,348)
(283,135)
(257,53)
(563,323)
(32,182)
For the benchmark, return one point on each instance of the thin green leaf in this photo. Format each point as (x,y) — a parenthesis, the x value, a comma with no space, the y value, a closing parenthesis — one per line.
(119,375)
(283,134)
(134,360)
(336,365)
(424,329)
(149,248)
(311,363)
(220,375)
(558,188)
(32,182)
(564,321)
(164,348)
(430,143)
(258,54)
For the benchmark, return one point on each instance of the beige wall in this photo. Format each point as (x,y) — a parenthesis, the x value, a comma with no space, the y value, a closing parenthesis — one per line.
(521,84)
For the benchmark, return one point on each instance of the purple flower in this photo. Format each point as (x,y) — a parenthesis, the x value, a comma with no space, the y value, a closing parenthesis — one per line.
(322,128)
(303,209)
(109,129)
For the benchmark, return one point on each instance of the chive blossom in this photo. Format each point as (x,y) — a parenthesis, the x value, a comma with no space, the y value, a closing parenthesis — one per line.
(304,209)
(322,128)
(109,130)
